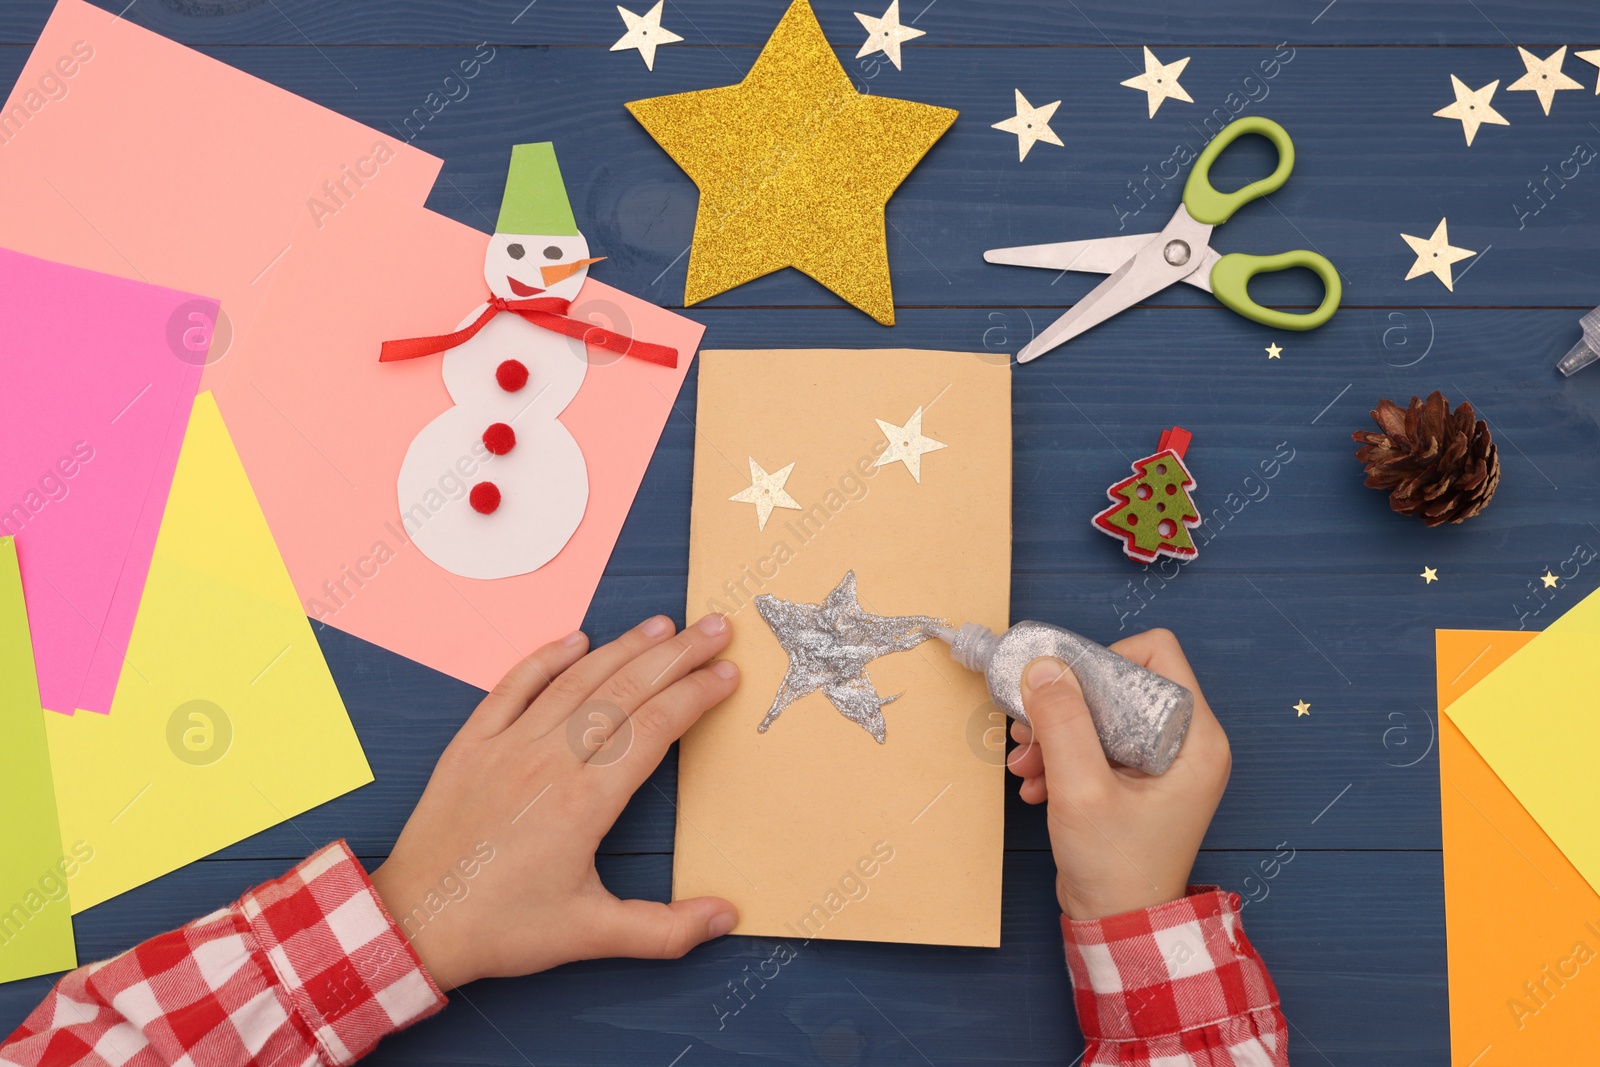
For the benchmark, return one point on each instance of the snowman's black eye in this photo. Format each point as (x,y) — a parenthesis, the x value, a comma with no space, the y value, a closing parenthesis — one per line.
(552,252)
(515,251)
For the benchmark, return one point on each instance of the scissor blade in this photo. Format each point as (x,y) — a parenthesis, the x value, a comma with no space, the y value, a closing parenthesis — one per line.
(1102,256)
(1125,288)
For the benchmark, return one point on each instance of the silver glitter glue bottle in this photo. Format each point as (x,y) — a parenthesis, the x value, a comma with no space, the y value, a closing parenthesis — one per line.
(1141,717)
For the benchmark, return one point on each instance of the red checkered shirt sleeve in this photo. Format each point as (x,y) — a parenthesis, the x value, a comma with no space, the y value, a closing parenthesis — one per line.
(1175,984)
(303,971)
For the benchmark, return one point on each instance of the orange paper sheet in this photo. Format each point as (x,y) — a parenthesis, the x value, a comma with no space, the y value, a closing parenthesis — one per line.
(813,828)
(127,153)
(322,427)
(1523,926)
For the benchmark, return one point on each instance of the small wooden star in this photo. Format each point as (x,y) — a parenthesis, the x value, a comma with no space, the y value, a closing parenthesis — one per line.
(1436,254)
(1472,108)
(1301,708)
(1548,579)
(1160,81)
(1544,76)
(1429,575)
(766,492)
(1273,351)
(906,444)
(886,35)
(1030,124)
(1592,56)
(644,33)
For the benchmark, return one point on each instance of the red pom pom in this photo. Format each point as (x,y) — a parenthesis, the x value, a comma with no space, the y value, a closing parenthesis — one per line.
(485,498)
(499,439)
(511,375)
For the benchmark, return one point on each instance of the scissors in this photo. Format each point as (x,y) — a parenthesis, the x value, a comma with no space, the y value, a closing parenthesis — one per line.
(1142,264)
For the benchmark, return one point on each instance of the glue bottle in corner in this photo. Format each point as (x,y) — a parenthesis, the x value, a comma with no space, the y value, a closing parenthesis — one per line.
(1140,716)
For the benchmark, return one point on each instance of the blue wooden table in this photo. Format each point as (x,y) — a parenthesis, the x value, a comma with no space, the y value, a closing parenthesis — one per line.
(1309,590)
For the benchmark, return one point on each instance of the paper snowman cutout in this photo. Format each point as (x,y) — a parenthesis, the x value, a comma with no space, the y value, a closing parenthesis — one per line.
(497,485)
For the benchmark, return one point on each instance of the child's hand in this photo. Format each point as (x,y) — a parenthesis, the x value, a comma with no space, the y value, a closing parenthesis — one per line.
(1122,839)
(494,872)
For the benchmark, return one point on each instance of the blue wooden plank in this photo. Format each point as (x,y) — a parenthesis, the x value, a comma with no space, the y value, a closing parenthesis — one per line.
(707,23)
(1358,985)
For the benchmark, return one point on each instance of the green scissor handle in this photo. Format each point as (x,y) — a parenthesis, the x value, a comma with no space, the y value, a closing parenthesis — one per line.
(1230,283)
(1230,278)
(1207,205)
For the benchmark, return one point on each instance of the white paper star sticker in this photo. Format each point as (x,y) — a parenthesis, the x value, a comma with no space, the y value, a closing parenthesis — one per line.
(1544,76)
(1472,108)
(1592,56)
(1030,124)
(1435,255)
(1160,80)
(644,33)
(766,492)
(906,444)
(886,35)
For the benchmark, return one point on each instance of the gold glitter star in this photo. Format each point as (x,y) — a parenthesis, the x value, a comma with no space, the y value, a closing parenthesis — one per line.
(1429,575)
(1435,255)
(1548,579)
(1544,76)
(1301,708)
(1160,81)
(906,444)
(1030,124)
(644,33)
(794,168)
(1273,351)
(1591,56)
(1472,108)
(886,35)
(766,492)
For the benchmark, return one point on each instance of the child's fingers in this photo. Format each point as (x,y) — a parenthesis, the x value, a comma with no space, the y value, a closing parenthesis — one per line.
(636,748)
(633,685)
(648,929)
(522,683)
(577,683)
(1026,760)
(1062,726)
(1033,791)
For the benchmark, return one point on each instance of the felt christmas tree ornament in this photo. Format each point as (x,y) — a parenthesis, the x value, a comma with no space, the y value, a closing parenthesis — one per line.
(1152,513)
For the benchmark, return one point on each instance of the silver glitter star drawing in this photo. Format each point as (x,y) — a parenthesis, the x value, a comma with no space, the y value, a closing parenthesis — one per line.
(830,645)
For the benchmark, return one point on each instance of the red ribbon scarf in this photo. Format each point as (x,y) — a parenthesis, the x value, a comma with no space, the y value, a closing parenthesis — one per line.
(547,311)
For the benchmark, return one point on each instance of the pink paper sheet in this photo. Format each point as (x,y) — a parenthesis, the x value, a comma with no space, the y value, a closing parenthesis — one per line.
(322,427)
(124,152)
(98,387)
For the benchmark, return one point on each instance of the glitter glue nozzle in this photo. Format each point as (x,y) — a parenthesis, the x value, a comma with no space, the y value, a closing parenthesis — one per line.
(1140,716)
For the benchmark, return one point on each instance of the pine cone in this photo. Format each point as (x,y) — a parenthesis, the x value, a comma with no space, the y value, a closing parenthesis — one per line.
(1435,465)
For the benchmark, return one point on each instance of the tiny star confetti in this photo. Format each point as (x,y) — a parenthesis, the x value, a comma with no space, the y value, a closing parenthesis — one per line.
(1273,351)
(1548,579)
(1301,708)
(1429,575)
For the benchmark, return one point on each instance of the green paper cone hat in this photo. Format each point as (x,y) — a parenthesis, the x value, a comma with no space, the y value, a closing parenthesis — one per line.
(536,197)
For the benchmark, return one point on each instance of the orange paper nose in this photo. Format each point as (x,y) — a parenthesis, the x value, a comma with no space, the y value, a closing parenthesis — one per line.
(562,271)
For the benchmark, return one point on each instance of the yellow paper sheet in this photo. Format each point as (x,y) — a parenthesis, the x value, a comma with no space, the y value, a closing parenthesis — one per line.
(1533,720)
(813,829)
(35,916)
(226,720)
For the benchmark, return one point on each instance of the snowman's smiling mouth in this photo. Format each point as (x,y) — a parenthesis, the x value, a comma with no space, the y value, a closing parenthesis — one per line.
(518,289)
